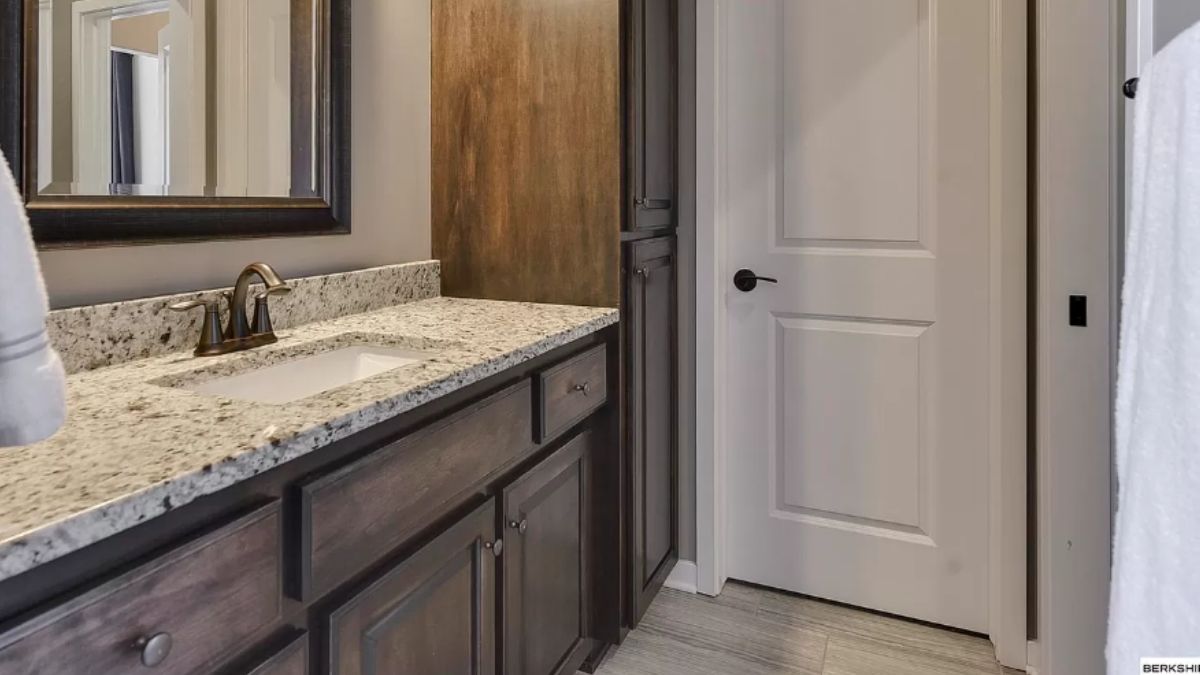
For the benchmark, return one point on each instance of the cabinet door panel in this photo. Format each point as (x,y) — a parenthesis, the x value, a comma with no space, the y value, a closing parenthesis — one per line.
(432,613)
(545,565)
(652,112)
(651,339)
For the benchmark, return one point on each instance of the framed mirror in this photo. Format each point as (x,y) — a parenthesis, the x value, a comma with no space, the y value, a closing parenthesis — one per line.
(144,121)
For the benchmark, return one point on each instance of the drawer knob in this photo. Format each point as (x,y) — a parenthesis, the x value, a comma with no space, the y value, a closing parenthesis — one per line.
(155,648)
(496,547)
(521,527)
(585,388)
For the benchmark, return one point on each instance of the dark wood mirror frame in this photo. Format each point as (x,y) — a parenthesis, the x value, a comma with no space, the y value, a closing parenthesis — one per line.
(81,221)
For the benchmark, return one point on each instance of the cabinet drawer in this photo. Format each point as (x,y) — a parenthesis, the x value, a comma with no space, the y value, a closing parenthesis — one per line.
(570,391)
(202,600)
(352,517)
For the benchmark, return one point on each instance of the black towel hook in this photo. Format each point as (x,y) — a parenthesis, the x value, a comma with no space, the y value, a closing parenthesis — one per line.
(1130,87)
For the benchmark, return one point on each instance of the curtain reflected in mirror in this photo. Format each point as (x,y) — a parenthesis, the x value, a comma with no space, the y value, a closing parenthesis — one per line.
(186,98)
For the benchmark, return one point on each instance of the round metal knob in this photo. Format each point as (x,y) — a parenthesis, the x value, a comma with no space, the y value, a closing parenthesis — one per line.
(521,527)
(155,649)
(496,547)
(585,388)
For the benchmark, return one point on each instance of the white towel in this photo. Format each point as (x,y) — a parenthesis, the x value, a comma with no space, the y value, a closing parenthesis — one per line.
(1155,602)
(32,384)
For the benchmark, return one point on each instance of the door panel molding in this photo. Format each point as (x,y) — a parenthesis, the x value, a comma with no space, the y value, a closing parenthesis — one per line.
(832,101)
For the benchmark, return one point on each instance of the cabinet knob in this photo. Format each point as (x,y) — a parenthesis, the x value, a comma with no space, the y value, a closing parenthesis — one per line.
(642,272)
(521,527)
(585,388)
(496,547)
(154,648)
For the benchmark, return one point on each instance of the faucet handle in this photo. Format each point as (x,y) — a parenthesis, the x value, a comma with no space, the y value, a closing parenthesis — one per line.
(210,331)
(184,306)
(261,323)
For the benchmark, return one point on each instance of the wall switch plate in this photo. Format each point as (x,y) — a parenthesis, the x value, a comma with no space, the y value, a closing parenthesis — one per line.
(1077,310)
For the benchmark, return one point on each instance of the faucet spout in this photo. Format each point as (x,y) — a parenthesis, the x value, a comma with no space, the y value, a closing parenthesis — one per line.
(239,326)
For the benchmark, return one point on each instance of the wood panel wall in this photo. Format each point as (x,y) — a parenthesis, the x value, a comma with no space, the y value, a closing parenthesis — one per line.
(526,149)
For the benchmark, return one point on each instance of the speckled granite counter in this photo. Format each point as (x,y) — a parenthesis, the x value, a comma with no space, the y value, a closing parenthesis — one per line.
(130,451)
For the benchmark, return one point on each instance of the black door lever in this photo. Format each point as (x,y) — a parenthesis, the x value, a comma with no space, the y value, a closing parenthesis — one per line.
(746,280)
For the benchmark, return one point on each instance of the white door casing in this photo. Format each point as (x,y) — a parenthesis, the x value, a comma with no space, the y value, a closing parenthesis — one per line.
(851,405)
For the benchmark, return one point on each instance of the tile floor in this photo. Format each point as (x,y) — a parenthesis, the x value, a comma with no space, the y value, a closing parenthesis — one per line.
(752,631)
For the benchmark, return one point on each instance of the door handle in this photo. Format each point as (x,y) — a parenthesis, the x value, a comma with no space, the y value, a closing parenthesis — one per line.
(647,204)
(746,280)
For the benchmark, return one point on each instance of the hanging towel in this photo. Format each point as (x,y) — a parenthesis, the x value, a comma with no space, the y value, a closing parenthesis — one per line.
(1154,608)
(32,384)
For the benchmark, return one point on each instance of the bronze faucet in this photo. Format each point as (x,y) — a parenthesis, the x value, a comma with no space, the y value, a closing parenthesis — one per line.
(238,334)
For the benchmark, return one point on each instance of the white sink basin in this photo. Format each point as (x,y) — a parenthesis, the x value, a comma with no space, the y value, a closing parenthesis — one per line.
(310,375)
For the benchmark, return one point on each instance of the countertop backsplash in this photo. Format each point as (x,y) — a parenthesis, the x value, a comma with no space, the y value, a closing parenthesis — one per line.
(94,336)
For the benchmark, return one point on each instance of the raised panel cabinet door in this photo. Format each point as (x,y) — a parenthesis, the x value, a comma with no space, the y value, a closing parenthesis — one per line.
(651,111)
(432,613)
(651,401)
(545,581)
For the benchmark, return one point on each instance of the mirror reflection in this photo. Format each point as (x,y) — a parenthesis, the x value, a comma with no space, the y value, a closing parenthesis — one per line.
(190,98)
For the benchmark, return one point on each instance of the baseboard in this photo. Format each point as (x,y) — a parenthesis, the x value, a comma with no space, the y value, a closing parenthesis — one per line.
(683,577)
(1033,654)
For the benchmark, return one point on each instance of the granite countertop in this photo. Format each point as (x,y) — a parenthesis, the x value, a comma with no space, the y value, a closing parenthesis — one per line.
(130,450)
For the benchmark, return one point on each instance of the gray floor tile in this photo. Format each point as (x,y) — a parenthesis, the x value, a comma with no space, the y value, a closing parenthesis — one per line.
(837,619)
(851,655)
(752,631)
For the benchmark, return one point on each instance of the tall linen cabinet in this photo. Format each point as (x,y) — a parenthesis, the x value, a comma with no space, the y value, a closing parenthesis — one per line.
(556,178)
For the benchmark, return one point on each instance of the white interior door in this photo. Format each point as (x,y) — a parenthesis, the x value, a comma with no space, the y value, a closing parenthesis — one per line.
(854,168)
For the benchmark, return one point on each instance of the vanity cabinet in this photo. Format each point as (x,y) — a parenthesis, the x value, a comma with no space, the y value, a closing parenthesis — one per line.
(432,613)
(458,537)
(546,603)
(651,413)
(651,113)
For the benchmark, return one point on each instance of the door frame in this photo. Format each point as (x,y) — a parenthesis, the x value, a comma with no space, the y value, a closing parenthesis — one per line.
(90,83)
(1080,215)
(1008,364)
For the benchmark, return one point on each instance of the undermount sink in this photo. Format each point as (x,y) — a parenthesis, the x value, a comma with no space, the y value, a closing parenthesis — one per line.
(310,375)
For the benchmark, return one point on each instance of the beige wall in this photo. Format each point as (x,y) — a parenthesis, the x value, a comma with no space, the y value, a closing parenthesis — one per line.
(391,185)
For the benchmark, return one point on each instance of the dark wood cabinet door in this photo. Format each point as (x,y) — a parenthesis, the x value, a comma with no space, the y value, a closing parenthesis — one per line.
(651,413)
(432,613)
(651,117)
(545,565)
